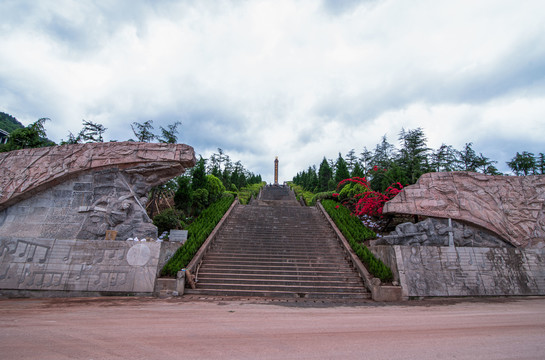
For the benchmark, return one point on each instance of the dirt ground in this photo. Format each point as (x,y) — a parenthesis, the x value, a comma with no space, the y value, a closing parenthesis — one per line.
(215,328)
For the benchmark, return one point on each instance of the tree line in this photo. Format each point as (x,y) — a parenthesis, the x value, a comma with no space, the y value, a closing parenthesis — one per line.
(386,164)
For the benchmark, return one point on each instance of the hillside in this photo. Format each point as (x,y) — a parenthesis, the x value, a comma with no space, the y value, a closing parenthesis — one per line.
(9,123)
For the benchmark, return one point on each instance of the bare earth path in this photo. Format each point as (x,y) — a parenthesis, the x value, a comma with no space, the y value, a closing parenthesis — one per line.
(146,328)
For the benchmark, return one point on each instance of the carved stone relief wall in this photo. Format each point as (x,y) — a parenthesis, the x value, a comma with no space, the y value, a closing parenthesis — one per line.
(82,266)
(466,271)
(512,207)
(439,232)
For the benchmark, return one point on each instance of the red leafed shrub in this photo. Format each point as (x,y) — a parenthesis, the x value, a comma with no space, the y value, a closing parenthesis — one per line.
(369,202)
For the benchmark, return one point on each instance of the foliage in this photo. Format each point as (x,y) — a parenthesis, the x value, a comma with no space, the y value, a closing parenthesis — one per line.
(355,233)
(198,232)
(143,131)
(215,188)
(249,191)
(91,132)
(301,193)
(368,202)
(325,174)
(341,169)
(32,136)
(183,197)
(169,136)
(321,196)
(524,164)
(168,219)
(9,123)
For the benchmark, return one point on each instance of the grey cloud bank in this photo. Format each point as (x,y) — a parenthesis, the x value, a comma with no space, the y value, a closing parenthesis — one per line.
(297,79)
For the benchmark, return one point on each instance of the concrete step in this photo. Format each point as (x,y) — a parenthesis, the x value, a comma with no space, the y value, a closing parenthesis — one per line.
(278,294)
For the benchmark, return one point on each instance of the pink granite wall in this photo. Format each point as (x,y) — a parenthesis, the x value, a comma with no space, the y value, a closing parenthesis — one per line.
(513,207)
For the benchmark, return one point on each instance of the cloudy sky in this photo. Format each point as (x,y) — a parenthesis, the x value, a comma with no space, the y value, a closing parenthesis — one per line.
(296,79)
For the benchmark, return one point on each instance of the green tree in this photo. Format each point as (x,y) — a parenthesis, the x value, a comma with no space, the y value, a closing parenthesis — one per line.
(540,164)
(413,155)
(523,164)
(169,136)
(198,176)
(325,174)
(183,197)
(143,131)
(341,170)
(358,171)
(91,132)
(445,159)
(32,136)
(215,188)
(351,160)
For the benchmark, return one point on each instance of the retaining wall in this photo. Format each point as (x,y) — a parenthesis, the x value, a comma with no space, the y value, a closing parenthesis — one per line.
(466,271)
(83,267)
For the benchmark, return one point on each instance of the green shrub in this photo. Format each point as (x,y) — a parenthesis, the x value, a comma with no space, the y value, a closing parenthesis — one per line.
(301,193)
(246,193)
(355,233)
(198,231)
(321,196)
(168,219)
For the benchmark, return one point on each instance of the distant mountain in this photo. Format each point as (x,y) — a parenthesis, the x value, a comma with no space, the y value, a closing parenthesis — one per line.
(9,123)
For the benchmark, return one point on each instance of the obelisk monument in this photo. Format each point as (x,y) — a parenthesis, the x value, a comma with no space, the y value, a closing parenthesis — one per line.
(276,171)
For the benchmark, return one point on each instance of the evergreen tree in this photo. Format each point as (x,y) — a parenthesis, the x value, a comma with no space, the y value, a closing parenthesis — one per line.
(540,164)
(351,160)
(366,158)
(523,164)
(143,131)
(358,171)
(169,136)
(445,159)
(183,196)
(413,156)
(198,177)
(341,170)
(91,132)
(325,174)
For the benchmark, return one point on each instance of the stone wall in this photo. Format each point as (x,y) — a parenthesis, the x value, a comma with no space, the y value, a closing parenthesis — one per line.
(466,271)
(512,207)
(80,266)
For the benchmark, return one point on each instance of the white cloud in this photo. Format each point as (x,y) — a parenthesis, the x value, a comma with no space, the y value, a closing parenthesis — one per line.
(297,79)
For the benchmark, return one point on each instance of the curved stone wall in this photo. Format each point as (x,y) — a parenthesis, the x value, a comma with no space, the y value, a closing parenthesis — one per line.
(513,207)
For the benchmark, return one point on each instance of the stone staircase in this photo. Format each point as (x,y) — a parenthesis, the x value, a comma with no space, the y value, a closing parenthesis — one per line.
(276,248)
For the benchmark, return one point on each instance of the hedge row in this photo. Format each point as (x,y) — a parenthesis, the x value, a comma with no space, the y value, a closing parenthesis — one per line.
(355,232)
(198,232)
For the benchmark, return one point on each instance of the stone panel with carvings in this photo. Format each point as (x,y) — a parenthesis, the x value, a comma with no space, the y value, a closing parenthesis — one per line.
(512,207)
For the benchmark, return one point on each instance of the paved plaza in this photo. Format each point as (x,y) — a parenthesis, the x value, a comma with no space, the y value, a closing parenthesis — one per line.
(216,328)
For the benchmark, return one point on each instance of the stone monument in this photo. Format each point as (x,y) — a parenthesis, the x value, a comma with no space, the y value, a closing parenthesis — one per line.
(66,213)
(276,171)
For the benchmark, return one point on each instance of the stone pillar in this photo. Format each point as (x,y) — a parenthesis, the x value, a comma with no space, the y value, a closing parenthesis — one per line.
(276,171)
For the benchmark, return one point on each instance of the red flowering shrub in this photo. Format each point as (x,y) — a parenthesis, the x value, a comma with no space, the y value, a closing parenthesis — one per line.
(369,202)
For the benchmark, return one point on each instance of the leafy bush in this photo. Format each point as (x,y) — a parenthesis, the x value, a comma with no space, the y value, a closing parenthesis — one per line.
(198,231)
(321,196)
(301,193)
(167,220)
(245,193)
(355,232)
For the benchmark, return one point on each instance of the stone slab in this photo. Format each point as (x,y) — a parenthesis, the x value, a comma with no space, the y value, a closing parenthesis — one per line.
(80,265)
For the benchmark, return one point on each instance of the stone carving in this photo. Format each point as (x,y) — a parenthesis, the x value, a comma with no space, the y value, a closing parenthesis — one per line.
(26,172)
(512,207)
(81,191)
(92,266)
(470,271)
(436,232)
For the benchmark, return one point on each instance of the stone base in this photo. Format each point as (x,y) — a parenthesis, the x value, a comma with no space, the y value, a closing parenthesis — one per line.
(80,266)
(425,271)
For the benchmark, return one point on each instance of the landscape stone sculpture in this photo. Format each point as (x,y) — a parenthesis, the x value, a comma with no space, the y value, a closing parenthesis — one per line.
(511,207)
(80,191)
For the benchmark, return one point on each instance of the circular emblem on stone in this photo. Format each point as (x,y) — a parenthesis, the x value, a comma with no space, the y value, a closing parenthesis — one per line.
(138,255)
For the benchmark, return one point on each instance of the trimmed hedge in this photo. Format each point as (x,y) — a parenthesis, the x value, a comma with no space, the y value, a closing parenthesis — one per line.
(249,191)
(355,232)
(198,232)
